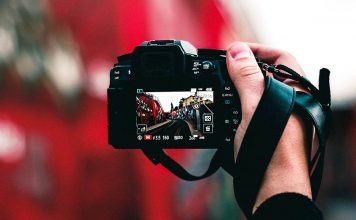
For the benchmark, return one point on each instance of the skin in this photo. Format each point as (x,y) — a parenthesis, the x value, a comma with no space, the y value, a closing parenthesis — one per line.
(289,163)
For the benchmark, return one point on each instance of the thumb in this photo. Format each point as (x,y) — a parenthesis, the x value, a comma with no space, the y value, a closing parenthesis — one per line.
(246,76)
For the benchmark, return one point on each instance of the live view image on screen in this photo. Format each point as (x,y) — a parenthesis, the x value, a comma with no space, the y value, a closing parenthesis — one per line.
(175,115)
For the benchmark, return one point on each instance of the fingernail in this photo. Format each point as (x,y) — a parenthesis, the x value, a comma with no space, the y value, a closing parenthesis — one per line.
(240,51)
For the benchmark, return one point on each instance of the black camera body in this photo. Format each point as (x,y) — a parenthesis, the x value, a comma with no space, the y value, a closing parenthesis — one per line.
(167,94)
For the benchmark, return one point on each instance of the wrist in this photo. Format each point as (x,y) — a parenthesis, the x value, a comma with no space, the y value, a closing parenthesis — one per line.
(288,169)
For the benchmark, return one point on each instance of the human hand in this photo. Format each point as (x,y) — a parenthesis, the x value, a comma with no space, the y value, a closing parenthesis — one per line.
(289,163)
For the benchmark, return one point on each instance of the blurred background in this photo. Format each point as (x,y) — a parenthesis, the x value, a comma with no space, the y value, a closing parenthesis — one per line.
(55,57)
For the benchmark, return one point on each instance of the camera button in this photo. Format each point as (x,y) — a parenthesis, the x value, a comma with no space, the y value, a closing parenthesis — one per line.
(227,102)
(227,121)
(208,66)
(235,111)
(235,121)
(196,69)
(228,87)
(227,95)
(228,139)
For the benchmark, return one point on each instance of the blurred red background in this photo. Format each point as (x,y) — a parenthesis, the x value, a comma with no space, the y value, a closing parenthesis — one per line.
(62,166)
(55,162)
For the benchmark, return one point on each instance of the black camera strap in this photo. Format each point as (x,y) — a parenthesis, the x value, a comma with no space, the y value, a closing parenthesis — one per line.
(278,102)
(160,156)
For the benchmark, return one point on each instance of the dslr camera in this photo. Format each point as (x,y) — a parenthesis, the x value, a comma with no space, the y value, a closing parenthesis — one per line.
(168,94)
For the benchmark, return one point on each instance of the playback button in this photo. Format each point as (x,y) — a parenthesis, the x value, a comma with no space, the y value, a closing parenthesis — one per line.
(235,112)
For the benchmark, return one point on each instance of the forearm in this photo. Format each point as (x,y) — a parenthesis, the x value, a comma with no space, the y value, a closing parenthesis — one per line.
(288,169)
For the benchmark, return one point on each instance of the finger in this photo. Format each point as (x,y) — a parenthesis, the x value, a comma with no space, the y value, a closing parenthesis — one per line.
(265,53)
(275,56)
(246,76)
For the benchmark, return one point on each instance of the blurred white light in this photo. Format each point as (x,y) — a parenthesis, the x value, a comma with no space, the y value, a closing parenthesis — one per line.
(12,142)
(98,79)
(64,69)
(318,33)
(7,42)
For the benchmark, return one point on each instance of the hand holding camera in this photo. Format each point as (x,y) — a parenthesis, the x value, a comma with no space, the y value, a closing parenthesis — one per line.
(290,157)
(167,94)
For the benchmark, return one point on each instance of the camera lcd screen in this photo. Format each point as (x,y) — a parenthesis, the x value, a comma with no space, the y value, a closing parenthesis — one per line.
(175,115)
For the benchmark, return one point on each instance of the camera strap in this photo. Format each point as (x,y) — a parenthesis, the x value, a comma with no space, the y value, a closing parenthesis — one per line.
(160,156)
(277,103)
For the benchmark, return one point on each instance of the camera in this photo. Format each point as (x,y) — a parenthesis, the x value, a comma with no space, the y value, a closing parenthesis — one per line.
(168,94)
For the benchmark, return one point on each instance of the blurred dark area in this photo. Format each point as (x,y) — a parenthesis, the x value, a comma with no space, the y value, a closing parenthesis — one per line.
(55,162)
